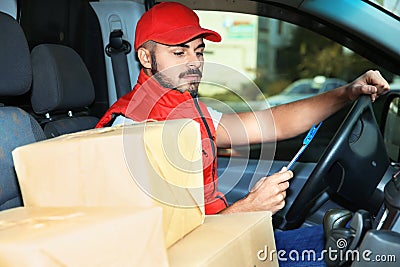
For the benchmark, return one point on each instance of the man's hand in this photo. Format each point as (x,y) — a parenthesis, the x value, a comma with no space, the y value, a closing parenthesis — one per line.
(371,83)
(268,193)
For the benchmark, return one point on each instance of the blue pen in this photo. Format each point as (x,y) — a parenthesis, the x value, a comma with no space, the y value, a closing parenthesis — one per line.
(306,142)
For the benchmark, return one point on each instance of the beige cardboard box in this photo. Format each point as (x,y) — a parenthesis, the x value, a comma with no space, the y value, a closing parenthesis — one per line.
(241,239)
(138,165)
(74,237)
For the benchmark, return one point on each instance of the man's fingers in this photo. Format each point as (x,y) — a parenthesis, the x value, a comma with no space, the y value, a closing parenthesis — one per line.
(375,79)
(370,90)
(283,186)
(283,169)
(282,176)
(371,83)
(279,178)
(258,184)
(379,81)
(366,89)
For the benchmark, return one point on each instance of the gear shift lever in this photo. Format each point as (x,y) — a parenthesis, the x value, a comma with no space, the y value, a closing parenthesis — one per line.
(334,219)
(341,238)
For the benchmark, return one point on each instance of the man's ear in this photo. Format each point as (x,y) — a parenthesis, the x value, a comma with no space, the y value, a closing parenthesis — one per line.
(144,57)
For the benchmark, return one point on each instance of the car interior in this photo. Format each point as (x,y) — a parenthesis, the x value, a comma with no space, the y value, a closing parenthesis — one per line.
(61,62)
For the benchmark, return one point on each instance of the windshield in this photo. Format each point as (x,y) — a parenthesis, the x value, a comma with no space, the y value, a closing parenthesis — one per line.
(284,61)
(393,6)
(304,86)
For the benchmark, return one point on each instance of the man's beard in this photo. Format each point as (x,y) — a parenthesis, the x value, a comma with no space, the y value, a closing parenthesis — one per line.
(164,81)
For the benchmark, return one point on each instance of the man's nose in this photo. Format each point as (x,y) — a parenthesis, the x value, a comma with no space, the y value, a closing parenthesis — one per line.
(193,61)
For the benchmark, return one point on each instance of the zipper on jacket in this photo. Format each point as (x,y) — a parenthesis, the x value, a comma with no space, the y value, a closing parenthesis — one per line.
(210,136)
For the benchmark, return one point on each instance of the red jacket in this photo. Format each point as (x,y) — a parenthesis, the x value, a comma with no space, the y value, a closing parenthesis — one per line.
(149,100)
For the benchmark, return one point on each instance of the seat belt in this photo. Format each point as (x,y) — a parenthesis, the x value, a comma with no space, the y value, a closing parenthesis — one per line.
(117,49)
(149,4)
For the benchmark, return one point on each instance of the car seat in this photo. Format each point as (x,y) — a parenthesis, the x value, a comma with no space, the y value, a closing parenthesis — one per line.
(17,127)
(62,90)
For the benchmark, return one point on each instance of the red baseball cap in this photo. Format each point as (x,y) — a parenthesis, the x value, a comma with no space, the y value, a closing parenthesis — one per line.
(171,23)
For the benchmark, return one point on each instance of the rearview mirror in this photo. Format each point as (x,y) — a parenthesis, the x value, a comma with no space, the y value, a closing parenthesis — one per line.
(392,130)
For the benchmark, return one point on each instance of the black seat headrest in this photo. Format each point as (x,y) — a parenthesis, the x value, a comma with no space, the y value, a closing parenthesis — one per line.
(61,80)
(15,62)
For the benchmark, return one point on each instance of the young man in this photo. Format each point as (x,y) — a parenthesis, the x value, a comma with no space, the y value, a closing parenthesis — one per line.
(169,45)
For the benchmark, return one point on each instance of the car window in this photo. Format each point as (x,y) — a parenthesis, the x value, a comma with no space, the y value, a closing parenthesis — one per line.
(392,6)
(286,62)
(330,86)
(303,88)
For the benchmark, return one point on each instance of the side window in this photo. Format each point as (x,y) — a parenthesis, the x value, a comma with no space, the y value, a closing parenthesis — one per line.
(330,86)
(285,61)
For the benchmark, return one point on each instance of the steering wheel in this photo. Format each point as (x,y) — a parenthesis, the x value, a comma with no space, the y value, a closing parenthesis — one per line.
(351,166)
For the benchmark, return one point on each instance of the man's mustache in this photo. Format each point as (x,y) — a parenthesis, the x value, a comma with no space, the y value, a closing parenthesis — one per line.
(191,72)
